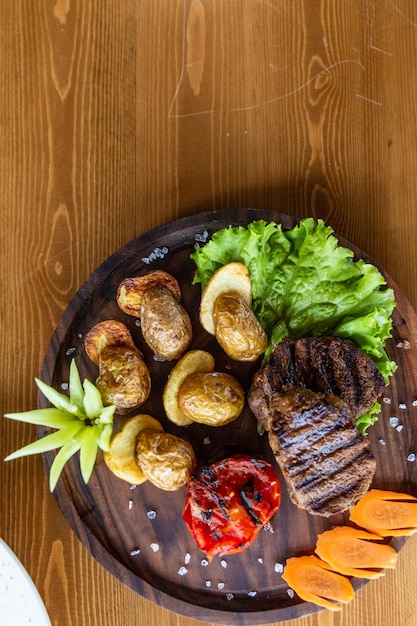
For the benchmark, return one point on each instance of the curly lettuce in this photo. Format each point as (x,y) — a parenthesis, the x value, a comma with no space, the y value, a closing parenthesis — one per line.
(305,284)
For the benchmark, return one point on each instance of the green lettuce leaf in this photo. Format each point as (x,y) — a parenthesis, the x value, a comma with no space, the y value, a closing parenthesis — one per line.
(305,284)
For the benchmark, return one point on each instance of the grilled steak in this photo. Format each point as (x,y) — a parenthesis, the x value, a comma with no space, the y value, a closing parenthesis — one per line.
(327,464)
(325,461)
(327,364)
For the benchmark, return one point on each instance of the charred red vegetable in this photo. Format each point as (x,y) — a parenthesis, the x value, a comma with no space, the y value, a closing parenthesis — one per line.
(229,502)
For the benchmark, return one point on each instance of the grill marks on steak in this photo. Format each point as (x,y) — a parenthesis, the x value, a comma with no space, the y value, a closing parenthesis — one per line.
(327,464)
(327,364)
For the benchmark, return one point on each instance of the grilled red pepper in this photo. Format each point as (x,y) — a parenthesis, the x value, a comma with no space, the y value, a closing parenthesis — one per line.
(229,502)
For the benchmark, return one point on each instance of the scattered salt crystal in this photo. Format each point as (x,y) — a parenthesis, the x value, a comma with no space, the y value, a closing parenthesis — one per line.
(223,563)
(399,428)
(208,583)
(146,260)
(158,359)
(206,441)
(290,592)
(220,585)
(386,400)
(414,402)
(80,335)
(411,457)
(229,596)
(151,514)
(64,386)
(404,344)
(252,594)
(155,547)
(202,237)
(196,246)
(183,571)
(268,527)
(402,405)
(260,560)
(132,487)
(130,504)
(393,421)
(137,323)
(70,351)
(187,558)
(382,442)
(135,552)
(279,568)
(204,562)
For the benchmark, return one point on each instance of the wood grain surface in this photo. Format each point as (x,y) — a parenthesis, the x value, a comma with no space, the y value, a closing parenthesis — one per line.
(117,117)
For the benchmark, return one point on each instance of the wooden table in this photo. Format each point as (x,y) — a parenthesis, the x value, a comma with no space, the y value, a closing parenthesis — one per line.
(116,117)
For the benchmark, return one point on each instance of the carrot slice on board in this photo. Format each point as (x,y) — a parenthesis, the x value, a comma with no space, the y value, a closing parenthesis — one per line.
(386,513)
(314,581)
(353,552)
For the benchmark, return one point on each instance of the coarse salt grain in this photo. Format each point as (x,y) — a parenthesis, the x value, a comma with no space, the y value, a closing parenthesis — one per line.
(393,421)
(290,592)
(402,405)
(414,402)
(223,563)
(204,562)
(268,527)
(382,442)
(155,547)
(399,428)
(151,514)
(386,400)
(64,386)
(135,552)
(182,571)
(70,351)
(208,583)
(130,504)
(252,594)
(206,441)
(260,560)
(229,596)
(187,558)
(132,487)
(279,568)
(411,457)
(220,585)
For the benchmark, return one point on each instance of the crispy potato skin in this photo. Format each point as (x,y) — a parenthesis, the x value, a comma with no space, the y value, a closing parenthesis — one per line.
(237,329)
(167,461)
(104,334)
(166,326)
(131,290)
(212,398)
(124,379)
(121,456)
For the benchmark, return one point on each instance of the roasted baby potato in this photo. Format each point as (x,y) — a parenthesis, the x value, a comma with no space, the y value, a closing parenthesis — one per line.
(212,398)
(167,461)
(121,457)
(237,328)
(166,326)
(154,298)
(193,361)
(230,277)
(226,313)
(105,334)
(124,378)
(131,290)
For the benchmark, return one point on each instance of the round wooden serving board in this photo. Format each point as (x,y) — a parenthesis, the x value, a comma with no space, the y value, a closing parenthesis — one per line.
(138,534)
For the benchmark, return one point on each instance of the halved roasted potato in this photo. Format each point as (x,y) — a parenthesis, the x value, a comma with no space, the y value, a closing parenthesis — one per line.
(105,334)
(155,299)
(211,398)
(231,277)
(121,457)
(193,361)
(131,290)
(124,378)
(166,460)
(166,326)
(237,328)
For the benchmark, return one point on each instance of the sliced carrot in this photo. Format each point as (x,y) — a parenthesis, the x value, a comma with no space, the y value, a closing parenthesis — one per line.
(386,513)
(353,552)
(314,581)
